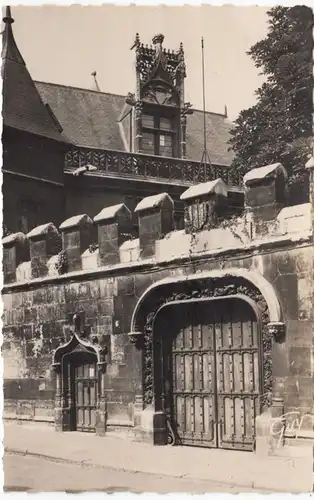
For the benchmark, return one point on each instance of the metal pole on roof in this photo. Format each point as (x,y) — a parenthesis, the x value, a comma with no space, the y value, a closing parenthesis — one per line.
(205,156)
(203,88)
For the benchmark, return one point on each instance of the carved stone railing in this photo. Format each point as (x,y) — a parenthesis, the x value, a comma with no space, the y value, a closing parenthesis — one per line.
(130,165)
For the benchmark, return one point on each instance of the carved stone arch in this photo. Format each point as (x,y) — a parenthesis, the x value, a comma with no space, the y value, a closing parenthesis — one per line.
(252,277)
(77,344)
(226,283)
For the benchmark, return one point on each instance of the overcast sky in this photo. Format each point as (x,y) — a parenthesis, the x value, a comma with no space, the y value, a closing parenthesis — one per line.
(65,44)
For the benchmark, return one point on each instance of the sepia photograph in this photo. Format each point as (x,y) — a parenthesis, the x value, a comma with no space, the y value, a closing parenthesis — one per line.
(158,248)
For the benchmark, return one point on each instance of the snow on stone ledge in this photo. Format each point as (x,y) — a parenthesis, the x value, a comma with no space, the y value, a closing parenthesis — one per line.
(90,259)
(42,230)
(24,272)
(111,212)
(310,163)
(77,220)
(257,174)
(217,186)
(52,266)
(178,244)
(295,219)
(12,238)
(153,201)
(130,251)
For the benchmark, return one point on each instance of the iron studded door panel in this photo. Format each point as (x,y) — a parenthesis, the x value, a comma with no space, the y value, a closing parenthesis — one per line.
(193,374)
(86,387)
(238,374)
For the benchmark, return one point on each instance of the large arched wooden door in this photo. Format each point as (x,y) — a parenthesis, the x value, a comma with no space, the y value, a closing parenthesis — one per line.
(207,371)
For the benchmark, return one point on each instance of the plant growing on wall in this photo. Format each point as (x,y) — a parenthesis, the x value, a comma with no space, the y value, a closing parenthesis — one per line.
(278,128)
(62,263)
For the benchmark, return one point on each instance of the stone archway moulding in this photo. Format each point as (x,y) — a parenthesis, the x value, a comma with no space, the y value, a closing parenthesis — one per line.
(77,344)
(253,277)
(209,284)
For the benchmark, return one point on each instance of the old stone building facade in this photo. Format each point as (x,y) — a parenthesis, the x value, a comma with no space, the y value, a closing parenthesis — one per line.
(148,294)
(181,335)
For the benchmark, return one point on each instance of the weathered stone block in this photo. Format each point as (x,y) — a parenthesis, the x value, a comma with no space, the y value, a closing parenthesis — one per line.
(44,243)
(285,263)
(114,227)
(287,286)
(265,194)
(155,216)
(15,251)
(77,235)
(203,204)
(300,361)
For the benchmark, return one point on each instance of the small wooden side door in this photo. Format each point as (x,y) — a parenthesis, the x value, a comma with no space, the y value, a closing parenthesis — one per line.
(85,393)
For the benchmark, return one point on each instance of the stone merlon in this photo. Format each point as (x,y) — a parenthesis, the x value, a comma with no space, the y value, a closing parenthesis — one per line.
(153,202)
(258,174)
(217,186)
(112,212)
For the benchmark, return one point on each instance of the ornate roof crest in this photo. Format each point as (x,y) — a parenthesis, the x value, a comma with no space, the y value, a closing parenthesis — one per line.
(156,63)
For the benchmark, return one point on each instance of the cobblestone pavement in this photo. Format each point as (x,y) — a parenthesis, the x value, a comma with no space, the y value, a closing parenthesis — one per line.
(31,474)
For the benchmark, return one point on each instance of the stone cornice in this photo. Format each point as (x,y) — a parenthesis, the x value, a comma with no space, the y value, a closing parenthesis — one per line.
(152,265)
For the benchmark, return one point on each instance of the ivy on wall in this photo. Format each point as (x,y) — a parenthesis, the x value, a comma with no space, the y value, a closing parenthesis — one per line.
(62,263)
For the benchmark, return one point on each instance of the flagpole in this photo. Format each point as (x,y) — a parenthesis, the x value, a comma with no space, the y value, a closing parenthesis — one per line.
(205,156)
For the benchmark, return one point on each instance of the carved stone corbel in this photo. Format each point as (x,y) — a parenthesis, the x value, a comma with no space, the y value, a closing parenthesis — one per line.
(56,367)
(102,366)
(277,330)
(135,336)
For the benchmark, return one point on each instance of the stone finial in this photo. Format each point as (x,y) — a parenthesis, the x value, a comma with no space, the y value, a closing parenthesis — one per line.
(113,228)
(77,235)
(155,216)
(158,39)
(44,243)
(10,50)
(15,251)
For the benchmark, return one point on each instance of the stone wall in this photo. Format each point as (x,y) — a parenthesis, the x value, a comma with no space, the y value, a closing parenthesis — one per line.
(33,180)
(38,201)
(106,283)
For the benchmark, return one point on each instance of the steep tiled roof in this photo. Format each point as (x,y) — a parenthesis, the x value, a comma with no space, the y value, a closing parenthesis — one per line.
(217,136)
(90,118)
(22,107)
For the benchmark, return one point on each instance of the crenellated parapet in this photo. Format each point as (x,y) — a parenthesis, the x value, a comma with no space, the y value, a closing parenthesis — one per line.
(210,227)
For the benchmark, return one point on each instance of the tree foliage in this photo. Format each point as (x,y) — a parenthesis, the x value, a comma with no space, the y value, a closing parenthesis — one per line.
(279,126)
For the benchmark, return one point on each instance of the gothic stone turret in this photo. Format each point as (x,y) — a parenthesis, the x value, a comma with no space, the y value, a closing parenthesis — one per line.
(160,110)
